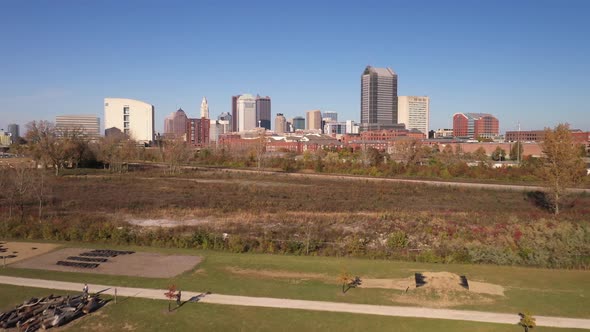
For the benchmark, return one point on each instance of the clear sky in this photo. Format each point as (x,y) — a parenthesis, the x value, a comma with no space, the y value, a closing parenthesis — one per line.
(523,61)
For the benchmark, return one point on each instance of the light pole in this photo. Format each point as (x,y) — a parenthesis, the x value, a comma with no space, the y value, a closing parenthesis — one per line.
(518,145)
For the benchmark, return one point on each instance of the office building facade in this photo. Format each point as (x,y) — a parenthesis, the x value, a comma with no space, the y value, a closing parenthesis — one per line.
(197,131)
(475,125)
(314,120)
(414,112)
(234,112)
(263,112)
(378,98)
(132,117)
(330,116)
(280,123)
(246,110)
(298,123)
(88,125)
(175,125)
(14,131)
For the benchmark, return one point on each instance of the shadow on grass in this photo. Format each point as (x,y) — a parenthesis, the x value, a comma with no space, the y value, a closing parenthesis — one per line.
(193,299)
(541,200)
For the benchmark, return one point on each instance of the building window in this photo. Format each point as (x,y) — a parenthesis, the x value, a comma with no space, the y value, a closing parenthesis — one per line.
(126,118)
(126,110)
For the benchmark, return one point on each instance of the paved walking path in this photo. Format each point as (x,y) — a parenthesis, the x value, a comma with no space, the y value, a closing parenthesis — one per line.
(158,294)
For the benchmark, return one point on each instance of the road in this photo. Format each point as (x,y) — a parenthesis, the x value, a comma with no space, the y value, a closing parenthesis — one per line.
(158,294)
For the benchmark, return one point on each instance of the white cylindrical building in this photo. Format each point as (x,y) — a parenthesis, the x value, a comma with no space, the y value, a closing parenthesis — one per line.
(132,117)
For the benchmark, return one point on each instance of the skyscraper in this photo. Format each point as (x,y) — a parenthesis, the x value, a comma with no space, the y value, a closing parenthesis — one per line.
(414,112)
(204,109)
(14,131)
(175,124)
(280,123)
(132,117)
(378,98)
(234,112)
(246,109)
(314,119)
(263,112)
(88,125)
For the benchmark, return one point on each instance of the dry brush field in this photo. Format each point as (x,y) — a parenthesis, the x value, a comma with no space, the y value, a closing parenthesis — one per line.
(279,214)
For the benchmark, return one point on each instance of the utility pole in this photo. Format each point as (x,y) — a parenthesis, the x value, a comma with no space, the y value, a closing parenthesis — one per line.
(518,145)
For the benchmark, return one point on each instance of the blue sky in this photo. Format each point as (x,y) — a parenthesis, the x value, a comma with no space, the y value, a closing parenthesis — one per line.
(523,61)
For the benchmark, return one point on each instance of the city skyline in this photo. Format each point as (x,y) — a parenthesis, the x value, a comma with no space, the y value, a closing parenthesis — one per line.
(470,65)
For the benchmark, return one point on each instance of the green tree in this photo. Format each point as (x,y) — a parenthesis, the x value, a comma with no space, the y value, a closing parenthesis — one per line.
(562,163)
(499,154)
(516,151)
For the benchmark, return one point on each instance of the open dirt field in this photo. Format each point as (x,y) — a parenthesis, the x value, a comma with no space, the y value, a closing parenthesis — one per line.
(139,264)
(442,289)
(24,250)
(439,281)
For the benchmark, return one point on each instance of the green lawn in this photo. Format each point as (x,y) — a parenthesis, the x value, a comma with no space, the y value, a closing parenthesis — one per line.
(542,291)
(149,315)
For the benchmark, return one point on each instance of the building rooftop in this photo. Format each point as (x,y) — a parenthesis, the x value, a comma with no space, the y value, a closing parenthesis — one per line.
(379,71)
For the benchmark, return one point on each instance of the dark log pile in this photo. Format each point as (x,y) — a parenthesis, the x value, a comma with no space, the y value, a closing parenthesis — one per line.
(50,311)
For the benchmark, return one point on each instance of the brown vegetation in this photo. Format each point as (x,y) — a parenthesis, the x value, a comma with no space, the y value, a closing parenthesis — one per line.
(323,217)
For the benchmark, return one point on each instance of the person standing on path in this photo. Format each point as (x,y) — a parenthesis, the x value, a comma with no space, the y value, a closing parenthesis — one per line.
(85,291)
(178,298)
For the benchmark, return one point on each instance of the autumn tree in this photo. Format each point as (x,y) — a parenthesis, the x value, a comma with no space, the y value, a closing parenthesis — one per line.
(480,156)
(409,151)
(562,163)
(527,321)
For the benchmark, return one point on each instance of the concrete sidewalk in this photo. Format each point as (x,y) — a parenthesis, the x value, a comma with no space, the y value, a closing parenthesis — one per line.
(158,294)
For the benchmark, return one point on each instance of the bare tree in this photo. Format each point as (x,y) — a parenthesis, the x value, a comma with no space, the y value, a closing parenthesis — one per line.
(56,147)
(176,153)
(410,151)
(20,189)
(562,163)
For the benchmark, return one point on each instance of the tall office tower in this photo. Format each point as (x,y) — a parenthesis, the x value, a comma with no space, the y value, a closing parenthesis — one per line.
(234,112)
(298,123)
(89,125)
(414,112)
(14,131)
(263,112)
(133,117)
(204,108)
(474,125)
(175,124)
(333,116)
(197,131)
(246,110)
(280,124)
(225,120)
(378,98)
(314,119)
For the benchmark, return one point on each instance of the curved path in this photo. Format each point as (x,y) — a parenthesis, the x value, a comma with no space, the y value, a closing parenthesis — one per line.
(492,186)
(158,294)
